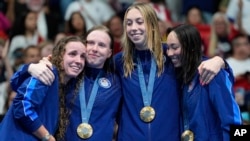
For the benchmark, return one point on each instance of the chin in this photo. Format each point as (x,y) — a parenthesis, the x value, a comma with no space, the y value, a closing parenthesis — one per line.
(177,65)
(74,74)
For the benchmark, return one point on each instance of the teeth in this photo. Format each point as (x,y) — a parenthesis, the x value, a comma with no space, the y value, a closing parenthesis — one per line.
(76,68)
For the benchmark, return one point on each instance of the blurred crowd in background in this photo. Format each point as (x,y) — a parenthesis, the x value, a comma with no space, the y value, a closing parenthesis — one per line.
(29,29)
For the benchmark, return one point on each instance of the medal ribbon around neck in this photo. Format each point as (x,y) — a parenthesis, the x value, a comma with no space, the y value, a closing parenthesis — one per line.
(147,113)
(187,135)
(85,130)
(86,108)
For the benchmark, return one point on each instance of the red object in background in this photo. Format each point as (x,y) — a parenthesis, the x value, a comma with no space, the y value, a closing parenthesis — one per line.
(243,83)
(117,47)
(3,35)
(205,31)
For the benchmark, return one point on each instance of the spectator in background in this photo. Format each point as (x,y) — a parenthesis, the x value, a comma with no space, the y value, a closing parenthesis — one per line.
(31,54)
(239,60)
(18,58)
(76,24)
(194,17)
(241,7)
(116,29)
(14,9)
(95,12)
(59,36)
(163,26)
(208,8)
(240,63)
(48,18)
(46,48)
(221,35)
(48,22)
(5,74)
(24,33)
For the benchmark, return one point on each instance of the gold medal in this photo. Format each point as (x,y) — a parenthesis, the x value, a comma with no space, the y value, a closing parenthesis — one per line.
(147,114)
(84,130)
(187,135)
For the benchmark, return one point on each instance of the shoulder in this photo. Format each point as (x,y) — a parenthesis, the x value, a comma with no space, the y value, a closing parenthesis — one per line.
(18,38)
(223,77)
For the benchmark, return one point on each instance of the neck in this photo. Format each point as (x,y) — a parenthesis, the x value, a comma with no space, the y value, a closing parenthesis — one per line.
(66,80)
(79,33)
(29,33)
(117,38)
(240,57)
(141,47)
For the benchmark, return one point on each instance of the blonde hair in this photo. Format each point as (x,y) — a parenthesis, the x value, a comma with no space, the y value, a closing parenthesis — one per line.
(213,41)
(153,39)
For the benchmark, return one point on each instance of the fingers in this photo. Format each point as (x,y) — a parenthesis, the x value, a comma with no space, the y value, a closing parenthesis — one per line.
(206,76)
(44,79)
(42,73)
(50,76)
(46,61)
(46,76)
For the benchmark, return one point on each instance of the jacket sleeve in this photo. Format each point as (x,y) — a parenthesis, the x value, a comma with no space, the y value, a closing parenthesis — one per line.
(19,76)
(222,97)
(30,96)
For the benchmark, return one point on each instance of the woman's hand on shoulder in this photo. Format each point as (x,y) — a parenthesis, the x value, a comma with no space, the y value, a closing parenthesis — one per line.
(42,71)
(209,69)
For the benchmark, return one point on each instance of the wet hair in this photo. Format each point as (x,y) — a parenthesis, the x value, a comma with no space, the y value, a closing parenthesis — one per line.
(191,51)
(56,60)
(109,63)
(153,39)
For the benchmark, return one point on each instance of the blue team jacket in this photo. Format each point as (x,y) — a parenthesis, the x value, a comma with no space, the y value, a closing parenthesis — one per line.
(165,101)
(210,110)
(35,104)
(105,108)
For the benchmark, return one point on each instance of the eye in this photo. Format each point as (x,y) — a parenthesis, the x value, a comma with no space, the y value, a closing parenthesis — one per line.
(90,42)
(140,21)
(101,44)
(73,53)
(173,46)
(128,22)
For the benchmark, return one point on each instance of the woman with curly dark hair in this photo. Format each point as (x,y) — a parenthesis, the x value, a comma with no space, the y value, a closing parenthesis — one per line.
(35,112)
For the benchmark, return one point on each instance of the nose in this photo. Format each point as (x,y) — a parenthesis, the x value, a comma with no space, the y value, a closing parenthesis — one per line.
(134,27)
(94,47)
(79,59)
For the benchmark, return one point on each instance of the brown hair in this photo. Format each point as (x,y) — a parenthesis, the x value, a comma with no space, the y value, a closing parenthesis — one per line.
(56,60)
